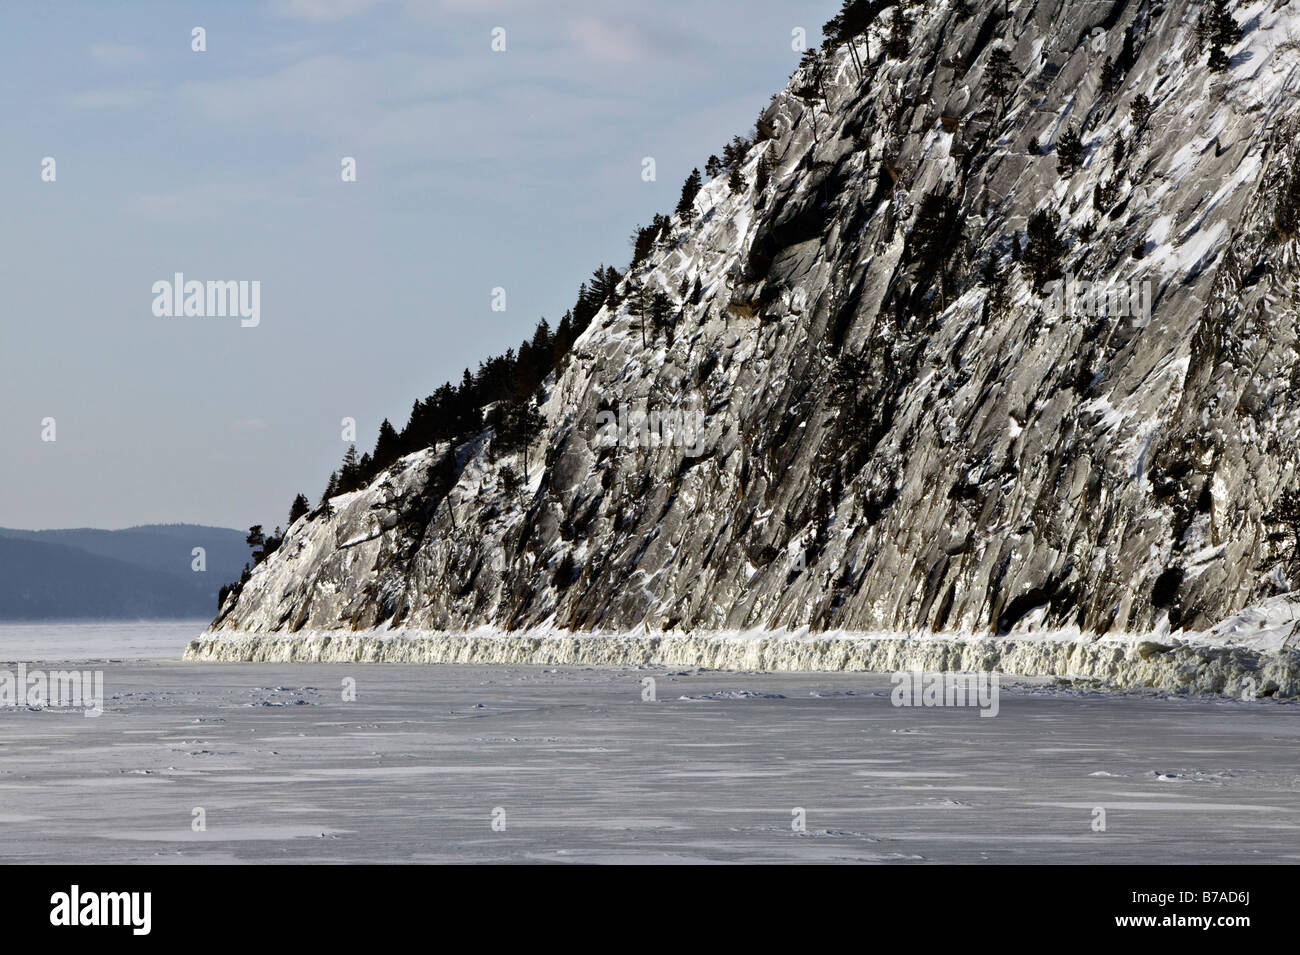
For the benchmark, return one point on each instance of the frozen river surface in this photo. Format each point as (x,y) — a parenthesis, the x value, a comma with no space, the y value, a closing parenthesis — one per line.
(526,764)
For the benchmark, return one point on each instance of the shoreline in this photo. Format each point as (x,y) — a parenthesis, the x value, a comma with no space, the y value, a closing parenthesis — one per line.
(1162,663)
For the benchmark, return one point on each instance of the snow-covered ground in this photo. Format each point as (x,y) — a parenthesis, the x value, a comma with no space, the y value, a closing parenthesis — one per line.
(579,769)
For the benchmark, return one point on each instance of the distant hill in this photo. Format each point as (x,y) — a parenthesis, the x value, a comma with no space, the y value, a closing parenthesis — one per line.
(135,573)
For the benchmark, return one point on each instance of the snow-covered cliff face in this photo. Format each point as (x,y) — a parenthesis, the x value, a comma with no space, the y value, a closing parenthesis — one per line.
(995,466)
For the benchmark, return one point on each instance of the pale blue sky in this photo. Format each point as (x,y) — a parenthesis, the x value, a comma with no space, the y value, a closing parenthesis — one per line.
(475,169)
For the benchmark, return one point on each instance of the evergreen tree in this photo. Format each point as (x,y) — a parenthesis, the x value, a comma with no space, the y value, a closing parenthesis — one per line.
(350,472)
(661,309)
(932,239)
(690,189)
(733,154)
(735,182)
(813,64)
(1000,73)
(899,42)
(638,306)
(272,543)
(564,338)
(298,508)
(643,242)
(713,166)
(597,288)
(262,546)
(998,299)
(1108,78)
(1105,194)
(612,278)
(511,482)
(529,423)
(331,487)
(1218,28)
(852,20)
(1141,112)
(1046,248)
(388,447)
(1069,152)
(515,426)
(764,175)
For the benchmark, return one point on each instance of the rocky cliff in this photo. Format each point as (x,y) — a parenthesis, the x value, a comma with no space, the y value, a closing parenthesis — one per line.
(923,405)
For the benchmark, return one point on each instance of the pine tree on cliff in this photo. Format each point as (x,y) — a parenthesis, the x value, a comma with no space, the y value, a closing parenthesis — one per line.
(1069,152)
(853,19)
(1001,73)
(899,42)
(331,488)
(298,508)
(661,310)
(932,241)
(1141,111)
(643,243)
(612,277)
(735,182)
(350,472)
(1218,29)
(690,189)
(733,154)
(256,540)
(516,425)
(638,306)
(388,448)
(1046,250)
(764,175)
(1108,77)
